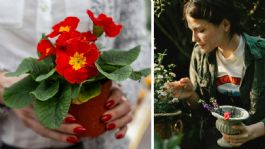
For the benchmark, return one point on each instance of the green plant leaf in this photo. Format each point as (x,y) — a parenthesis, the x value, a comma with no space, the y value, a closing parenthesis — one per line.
(106,67)
(117,75)
(136,75)
(75,90)
(46,90)
(18,95)
(173,142)
(45,76)
(157,141)
(121,58)
(32,66)
(87,92)
(52,112)
(98,30)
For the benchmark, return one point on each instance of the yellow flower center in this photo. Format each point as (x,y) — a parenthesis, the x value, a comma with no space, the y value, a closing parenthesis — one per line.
(77,61)
(64,29)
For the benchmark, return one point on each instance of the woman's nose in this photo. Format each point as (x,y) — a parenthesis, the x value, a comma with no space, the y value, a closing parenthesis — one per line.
(194,37)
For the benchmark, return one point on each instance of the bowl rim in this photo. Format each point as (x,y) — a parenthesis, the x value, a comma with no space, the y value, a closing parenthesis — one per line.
(243,117)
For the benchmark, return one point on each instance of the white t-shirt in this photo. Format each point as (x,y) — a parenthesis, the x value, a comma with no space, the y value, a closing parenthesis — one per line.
(23,21)
(230,71)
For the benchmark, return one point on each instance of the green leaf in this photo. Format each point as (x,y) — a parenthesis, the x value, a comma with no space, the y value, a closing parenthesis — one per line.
(117,75)
(52,112)
(157,142)
(46,90)
(98,30)
(173,142)
(32,66)
(45,76)
(87,92)
(136,75)
(18,95)
(121,58)
(75,90)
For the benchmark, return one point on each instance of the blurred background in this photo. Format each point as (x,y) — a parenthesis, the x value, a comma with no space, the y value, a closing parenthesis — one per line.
(139,130)
(174,127)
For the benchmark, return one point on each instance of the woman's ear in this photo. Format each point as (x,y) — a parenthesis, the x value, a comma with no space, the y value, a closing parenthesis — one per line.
(226,25)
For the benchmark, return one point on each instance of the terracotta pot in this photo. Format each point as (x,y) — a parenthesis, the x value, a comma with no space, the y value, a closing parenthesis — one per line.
(225,126)
(89,113)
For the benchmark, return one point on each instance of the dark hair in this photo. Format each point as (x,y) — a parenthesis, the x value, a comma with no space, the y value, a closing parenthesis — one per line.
(214,11)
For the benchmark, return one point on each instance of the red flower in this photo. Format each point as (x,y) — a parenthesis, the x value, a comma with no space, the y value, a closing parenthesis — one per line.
(88,36)
(67,37)
(106,23)
(77,62)
(227,115)
(45,48)
(67,25)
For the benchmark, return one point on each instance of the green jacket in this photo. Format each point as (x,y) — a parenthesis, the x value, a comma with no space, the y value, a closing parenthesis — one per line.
(203,72)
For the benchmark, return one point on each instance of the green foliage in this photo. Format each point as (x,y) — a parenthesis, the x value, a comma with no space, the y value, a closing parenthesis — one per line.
(45,76)
(120,58)
(160,6)
(52,112)
(87,91)
(115,65)
(18,95)
(46,90)
(171,143)
(164,102)
(136,75)
(117,75)
(31,66)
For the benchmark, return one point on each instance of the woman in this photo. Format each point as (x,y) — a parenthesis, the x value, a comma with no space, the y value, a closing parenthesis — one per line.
(21,25)
(228,65)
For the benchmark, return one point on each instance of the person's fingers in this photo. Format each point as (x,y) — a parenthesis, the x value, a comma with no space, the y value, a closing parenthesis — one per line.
(240,128)
(184,80)
(115,113)
(72,129)
(119,123)
(239,138)
(173,85)
(69,119)
(236,139)
(114,98)
(45,132)
(121,133)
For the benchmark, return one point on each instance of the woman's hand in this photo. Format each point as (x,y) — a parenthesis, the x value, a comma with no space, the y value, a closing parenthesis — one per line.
(119,113)
(67,132)
(247,133)
(183,89)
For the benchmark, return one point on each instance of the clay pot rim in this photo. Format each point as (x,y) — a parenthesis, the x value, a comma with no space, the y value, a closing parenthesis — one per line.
(244,116)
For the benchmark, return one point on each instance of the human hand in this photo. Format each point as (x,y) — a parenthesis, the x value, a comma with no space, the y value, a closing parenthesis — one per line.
(119,113)
(182,89)
(67,132)
(247,133)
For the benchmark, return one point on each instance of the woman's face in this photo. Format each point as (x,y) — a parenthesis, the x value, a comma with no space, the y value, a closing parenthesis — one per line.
(207,35)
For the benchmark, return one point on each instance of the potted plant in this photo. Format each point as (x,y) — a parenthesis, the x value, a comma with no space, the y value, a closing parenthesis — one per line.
(165,105)
(72,74)
(227,116)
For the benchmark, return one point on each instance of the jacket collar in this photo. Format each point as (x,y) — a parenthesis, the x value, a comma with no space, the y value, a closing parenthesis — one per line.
(253,46)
